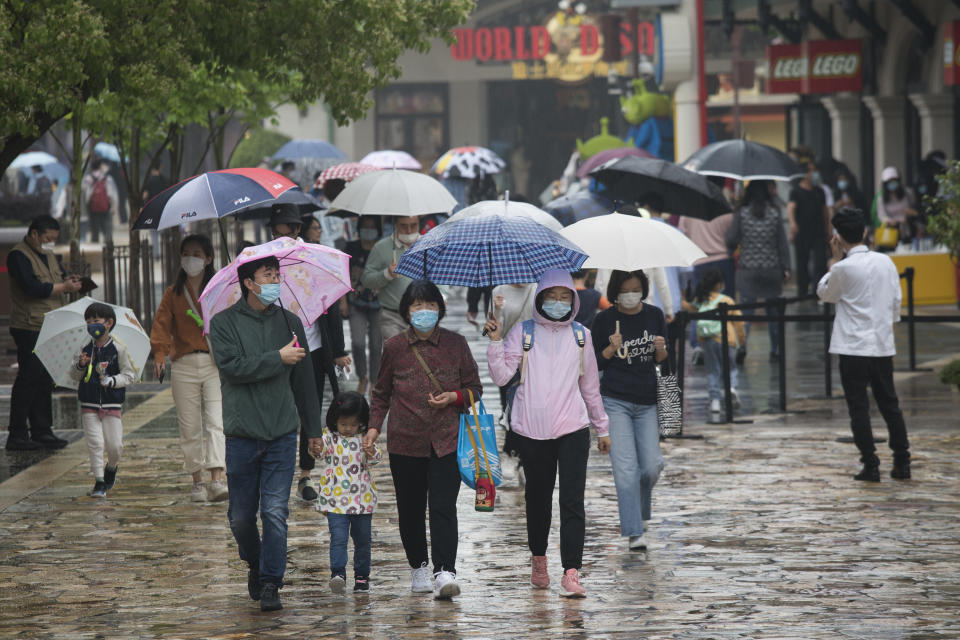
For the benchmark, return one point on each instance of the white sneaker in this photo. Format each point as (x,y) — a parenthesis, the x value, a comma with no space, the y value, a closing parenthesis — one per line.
(420,580)
(338,584)
(198,493)
(445,585)
(735,398)
(217,491)
(715,405)
(638,543)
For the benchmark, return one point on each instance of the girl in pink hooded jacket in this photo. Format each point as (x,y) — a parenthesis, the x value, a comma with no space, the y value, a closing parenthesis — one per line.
(557,399)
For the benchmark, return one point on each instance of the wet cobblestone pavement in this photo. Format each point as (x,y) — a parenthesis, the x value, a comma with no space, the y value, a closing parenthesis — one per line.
(758,531)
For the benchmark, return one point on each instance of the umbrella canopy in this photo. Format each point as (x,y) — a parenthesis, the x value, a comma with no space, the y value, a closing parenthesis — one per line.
(598,159)
(743,160)
(304,202)
(467,162)
(107,151)
(346,172)
(489,250)
(64,333)
(628,243)
(211,195)
(308,148)
(391,159)
(32,158)
(508,209)
(314,278)
(579,206)
(394,192)
(682,192)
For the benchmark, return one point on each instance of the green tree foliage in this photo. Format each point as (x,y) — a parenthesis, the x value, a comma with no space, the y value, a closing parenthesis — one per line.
(943,222)
(257,144)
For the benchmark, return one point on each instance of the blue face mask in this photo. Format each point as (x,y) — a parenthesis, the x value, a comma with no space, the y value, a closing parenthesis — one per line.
(424,320)
(96,329)
(893,185)
(269,292)
(815,178)
(842,185)
(556,309)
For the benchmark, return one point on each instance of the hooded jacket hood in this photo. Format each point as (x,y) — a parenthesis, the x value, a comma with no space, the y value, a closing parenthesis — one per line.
(555,278)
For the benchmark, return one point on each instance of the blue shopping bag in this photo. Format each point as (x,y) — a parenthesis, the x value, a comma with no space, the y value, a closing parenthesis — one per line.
(477,448)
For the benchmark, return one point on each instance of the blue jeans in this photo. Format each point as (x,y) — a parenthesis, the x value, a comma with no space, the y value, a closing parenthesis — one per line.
(342,527)
(773,328)
(259,476)
(713,359)
(636,459)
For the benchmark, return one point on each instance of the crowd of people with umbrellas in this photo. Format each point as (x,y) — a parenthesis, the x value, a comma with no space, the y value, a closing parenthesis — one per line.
(252,343)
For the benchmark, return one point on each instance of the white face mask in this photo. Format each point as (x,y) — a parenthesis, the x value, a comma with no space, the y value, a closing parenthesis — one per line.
(192,265)
(629,300)
(407,238)
(48,246)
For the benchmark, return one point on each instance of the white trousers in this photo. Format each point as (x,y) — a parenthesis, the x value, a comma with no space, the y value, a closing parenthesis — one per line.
(196,393)
(102,435)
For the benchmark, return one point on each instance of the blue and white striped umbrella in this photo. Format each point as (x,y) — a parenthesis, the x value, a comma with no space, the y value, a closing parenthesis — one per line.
(489,251)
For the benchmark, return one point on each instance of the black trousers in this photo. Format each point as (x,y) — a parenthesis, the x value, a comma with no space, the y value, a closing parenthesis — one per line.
(320,371)
(541,460)
(418,481)
(806,247)
(30,398)
(856,372)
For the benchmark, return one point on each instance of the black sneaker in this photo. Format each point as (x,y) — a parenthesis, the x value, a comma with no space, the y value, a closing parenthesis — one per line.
(361,584)
(900,471)
(270,597)
(20,443)
(109,477)
(306,491)
(49,441)
(253,583)
(869,473)
(99,490)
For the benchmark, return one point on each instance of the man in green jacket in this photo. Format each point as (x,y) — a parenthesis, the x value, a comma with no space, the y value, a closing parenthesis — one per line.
(266,382)
(380,274)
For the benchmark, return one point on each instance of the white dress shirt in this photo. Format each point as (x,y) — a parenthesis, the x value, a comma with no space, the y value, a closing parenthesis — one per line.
(865,286)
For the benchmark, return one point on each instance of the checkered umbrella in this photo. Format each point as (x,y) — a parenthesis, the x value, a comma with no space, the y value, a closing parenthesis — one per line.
(488,251)
(346,172)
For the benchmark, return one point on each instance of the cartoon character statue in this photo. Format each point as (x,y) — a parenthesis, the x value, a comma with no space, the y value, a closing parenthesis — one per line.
(601,142)
(651,118)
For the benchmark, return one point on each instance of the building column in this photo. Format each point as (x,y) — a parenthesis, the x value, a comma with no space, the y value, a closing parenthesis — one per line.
(844,110)
(889,135)
(936,121)
(687,123)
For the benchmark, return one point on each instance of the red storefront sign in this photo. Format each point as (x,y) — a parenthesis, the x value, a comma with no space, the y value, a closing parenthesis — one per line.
(951,53)
(819,66)
(506,44)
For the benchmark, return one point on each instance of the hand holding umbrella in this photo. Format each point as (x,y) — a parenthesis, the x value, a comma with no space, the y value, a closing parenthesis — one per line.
(292,352)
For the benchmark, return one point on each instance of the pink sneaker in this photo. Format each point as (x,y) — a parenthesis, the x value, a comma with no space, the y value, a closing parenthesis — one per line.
(539,577)
(570,585)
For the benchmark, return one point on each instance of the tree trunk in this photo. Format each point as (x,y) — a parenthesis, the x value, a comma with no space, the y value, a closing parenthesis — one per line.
(76,180)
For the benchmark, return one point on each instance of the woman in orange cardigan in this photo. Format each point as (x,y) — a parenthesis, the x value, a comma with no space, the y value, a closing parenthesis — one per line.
(178,332)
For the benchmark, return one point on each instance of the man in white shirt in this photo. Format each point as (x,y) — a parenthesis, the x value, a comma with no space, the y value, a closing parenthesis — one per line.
(865,286)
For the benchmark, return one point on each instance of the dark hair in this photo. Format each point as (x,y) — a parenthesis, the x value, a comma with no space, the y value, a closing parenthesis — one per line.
(652,201)
(708,280)
(348,404)
(248,269)
(757,197)
(100,310)
(245,244)
(333,187)
(423,291)
(207,247)
(43,223)
(579,273)
(899,192)
(288,164)
(617,278)
(850,224)
(376,222)
(306,221)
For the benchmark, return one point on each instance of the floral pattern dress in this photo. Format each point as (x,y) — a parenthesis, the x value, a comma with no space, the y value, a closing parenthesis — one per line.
(346,485)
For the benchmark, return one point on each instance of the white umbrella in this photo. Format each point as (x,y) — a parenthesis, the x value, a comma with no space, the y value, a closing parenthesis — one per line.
(392,159)
(616,241)
(509,209)
(32,158)
(394,192)
(64,333)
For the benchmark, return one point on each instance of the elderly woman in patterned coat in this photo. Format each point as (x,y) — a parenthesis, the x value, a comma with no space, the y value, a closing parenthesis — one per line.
(764,263)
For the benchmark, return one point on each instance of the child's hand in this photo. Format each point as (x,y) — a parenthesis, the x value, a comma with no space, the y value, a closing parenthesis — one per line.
(369,440)
(316,447)
(108,381)
(84,360)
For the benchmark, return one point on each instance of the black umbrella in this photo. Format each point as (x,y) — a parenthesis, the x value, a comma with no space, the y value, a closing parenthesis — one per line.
(681,192)
(304,202)
(743,160)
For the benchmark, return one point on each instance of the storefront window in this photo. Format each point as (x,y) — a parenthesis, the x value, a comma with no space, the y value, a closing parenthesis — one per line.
(413,118)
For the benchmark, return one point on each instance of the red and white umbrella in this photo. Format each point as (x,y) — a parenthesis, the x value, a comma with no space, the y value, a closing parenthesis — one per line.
(346,172)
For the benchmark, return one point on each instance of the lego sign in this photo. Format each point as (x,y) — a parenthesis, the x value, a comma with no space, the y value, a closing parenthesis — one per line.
(820,66)
(568,46)
(951,53)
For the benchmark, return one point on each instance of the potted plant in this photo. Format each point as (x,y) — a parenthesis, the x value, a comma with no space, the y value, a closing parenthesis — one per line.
(950,374)
(943,222)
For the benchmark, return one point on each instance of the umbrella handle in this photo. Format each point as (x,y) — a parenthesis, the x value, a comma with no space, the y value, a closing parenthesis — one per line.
(622,350)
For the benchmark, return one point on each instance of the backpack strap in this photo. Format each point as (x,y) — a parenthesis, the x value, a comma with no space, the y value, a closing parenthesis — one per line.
(527,342)
(580,333)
